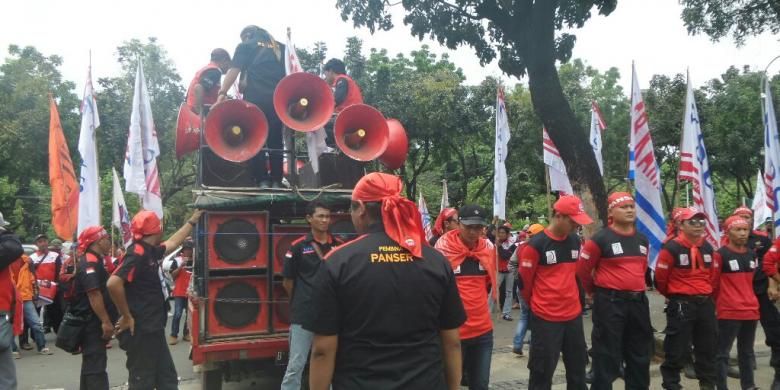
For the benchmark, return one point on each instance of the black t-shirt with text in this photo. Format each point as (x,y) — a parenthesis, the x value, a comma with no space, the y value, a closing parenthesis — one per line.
(263,71)
(140,271)
(90,275)
(387,309)
(301,264)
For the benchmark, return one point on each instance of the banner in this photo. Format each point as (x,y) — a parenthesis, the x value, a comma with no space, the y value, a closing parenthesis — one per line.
(597,125)
(89,197)
(426,217)
(141,175)
(62,179)
(761,211)
(501,150)
(771,155)
(559,179)
(120,216)
(647,176)
(694,167)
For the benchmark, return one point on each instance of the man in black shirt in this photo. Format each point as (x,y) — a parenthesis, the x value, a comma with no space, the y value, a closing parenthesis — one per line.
(386,302)
(135,290)
(90,299)
(301,265)
(259,59)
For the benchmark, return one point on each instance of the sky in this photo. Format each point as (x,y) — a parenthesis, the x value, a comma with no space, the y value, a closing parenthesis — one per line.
(650,33)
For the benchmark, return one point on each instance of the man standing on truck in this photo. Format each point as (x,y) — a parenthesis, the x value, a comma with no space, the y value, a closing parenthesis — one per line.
(135,290)
(386,301)
(301,264)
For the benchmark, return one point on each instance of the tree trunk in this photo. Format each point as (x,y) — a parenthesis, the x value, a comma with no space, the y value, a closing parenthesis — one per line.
(553,109)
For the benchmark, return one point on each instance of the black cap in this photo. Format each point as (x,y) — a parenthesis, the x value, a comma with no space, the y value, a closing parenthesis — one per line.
(473,215)
(38,237)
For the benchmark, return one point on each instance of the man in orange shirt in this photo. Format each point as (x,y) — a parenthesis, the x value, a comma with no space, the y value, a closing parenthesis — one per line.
(10,250)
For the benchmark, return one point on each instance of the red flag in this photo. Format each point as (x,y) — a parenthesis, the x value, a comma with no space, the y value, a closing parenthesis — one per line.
(62,179)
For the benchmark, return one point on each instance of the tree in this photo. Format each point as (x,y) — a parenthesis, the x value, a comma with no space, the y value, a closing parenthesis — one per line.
(720,18)
(523,32)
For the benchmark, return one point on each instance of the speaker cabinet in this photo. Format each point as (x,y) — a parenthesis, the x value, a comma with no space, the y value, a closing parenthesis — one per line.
(216,172)
(280,308)
(283,237)
(238,240)
(237,305)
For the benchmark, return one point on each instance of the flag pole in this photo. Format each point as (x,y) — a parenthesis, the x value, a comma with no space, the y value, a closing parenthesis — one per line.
(495,280)
(547,194)
(628,170)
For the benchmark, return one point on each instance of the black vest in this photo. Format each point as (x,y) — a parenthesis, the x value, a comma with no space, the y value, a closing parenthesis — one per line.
(615,246)
(552,252)
(734,262)
(682,254)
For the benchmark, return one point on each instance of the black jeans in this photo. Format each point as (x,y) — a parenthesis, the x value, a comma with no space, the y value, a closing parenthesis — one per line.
(770,322)
(477,354)
(621,332)
(149,362)
(745,333)
(549,340)
(270,159)
(690,319)
(93,359)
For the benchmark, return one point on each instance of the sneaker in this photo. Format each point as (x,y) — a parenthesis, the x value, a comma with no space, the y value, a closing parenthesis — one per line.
(17,355)
(733,372)
(45,351)
(515,305)
(518,351)
(26,347)
(186,337)
(507,317)
(173,340)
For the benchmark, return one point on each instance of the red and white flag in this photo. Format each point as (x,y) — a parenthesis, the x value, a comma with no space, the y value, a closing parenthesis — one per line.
(559,179)
(694,167)
(771,156)
(597,125)
(120,215)
(141,175)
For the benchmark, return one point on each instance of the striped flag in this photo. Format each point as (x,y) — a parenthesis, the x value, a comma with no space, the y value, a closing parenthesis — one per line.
(694,167)
(120,216)
(89,198)
(761,210)
(501,151)
(426,217)
(559,179)
(597,125)
(647,180)
(771,155)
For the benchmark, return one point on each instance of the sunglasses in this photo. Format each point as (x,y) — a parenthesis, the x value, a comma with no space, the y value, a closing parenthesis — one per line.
(696,222)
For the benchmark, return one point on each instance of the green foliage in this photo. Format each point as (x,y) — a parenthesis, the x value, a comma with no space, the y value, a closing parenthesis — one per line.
(740,19)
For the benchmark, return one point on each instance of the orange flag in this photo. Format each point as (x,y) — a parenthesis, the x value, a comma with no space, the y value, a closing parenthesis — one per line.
(62,178)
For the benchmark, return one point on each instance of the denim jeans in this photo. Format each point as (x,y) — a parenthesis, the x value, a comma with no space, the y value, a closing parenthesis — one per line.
(7,366)
(477,353)
(522,325)
(300,344)
(180,305)
(33,322)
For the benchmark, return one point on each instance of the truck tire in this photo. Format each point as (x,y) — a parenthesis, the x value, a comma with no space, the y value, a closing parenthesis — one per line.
(211,380)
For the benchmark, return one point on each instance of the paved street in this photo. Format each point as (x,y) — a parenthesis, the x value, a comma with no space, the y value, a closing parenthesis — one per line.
(61,370)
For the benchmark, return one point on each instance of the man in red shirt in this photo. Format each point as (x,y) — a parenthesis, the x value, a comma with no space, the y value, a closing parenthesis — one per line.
(684,274)
(612,271)
(10,250)
(205,85)
(181,272)
(736,303)
(548,267)
(473,261)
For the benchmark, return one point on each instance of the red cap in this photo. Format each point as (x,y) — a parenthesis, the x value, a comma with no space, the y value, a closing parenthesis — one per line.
(742,210)
(89,236)
(572,206)
(145,223)
(735,221)
(689,212)
(676,213)
(617,199)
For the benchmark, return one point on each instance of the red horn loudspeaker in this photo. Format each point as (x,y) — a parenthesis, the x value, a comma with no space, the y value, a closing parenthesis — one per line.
(187,131)
(397,146)
(361,132)
(236,130)
(303,102)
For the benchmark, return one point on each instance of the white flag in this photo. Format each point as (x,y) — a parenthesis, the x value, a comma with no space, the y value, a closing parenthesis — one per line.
(425,216)
(771,156)
(646,174)
(141,176)
(559,179)
(89,195)
(445,197)
(597,124)
(695,167)
(761,211)
(501,151)
(120,215)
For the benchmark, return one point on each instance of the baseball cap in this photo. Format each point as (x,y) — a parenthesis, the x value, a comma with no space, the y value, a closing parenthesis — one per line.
(677,213)
(571,206)
(535,229)
(55,244)
(472,215)
(690,212)
(41,236)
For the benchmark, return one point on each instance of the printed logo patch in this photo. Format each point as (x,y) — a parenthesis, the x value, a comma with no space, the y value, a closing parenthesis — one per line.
(707,259)
(90,270)
(456,270)
(643,249)
(752,264)
(307,250)
(288,254)
(684,259)
(617,249)
(585,255)
(734,265)
(551,259)
(527,264)
(575,255)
